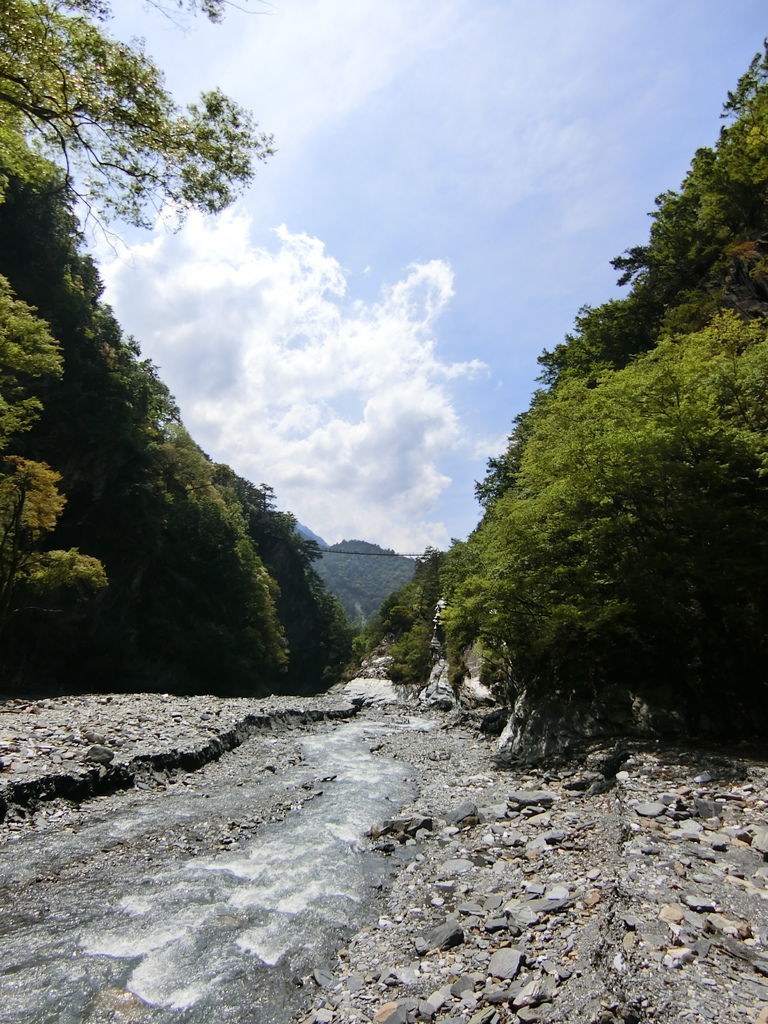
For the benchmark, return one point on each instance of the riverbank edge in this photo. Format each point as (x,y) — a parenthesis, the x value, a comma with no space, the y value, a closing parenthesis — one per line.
(80,785)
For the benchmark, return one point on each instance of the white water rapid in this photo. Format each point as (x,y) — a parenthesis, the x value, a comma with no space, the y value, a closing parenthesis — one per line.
(211,938)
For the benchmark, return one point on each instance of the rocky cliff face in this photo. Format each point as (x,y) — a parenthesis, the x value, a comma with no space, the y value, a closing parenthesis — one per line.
(548,726)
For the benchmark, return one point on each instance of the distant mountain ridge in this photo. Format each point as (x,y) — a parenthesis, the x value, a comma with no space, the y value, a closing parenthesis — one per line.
(360,583)
(304,531)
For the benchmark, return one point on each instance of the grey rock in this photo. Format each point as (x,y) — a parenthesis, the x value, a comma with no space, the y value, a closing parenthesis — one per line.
(549,905)
(602,785)
(496,924)
(437,999)
(696,901)
(462,984)
(495,995)
(608,762)
(457,866)
(531,798)
(537,991)
(708,808)
(581,783)
(323,977)
(531,1015)
(406,975)
(523,917)
(505,963)
(650,809)
(462,813)
(99,754)
(558,892)
(493,812)
(554,836)
(484,1016)
(445,936)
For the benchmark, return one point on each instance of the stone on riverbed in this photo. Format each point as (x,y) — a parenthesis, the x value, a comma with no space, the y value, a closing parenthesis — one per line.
(445,936)
(505,963)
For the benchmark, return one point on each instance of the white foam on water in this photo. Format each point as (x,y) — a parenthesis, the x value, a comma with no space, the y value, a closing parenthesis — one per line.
(346,833)
(296,880)
(136,906)
(269,943)
(156,981)
(130,944)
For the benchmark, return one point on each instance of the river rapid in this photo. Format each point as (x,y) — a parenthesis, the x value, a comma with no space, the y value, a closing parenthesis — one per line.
(212,936)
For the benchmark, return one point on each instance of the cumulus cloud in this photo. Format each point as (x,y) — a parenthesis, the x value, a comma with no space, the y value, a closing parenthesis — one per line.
(344,406)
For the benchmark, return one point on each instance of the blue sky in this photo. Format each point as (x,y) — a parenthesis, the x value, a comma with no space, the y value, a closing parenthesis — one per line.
(451,182)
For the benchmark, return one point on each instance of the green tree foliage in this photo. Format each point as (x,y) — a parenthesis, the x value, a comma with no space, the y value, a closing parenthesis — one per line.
(318,636)
(406,618)
(30,502)
(30,505)
(635,546)
(623,540)
(209,587)
(100,108)
(27,354)
(362,575)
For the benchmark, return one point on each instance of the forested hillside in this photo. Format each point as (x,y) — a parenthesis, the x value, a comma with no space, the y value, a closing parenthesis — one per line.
(362,575)
(127,558)
(623,547)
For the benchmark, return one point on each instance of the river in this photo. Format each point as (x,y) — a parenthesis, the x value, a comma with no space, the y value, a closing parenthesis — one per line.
(221,936)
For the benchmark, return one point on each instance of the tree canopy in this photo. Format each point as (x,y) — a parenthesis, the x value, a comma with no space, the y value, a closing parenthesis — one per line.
(100,109)
(623,544)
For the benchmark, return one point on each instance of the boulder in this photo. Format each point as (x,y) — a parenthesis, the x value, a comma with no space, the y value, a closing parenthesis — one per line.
(438,693)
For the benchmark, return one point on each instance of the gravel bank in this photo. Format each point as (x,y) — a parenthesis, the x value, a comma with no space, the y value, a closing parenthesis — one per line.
(78,747)
(575,896)
(632,888)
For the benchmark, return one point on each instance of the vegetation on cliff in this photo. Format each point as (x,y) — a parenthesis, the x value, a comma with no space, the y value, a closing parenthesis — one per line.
(624,540)
(362,575)
(127,558)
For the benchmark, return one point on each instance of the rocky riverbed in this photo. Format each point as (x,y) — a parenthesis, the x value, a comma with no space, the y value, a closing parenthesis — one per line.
(631,887)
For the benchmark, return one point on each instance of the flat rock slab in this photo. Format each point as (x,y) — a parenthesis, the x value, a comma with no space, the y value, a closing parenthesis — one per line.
(505,963)
(531,798)
(650,808)
(456,866)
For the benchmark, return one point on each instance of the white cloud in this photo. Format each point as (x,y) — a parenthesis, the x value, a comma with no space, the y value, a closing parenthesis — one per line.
(343,406)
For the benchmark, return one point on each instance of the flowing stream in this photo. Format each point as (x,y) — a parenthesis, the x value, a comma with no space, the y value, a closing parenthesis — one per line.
(210,938)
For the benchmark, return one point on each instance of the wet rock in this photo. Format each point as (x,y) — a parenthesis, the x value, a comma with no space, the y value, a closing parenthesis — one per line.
(323,978)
